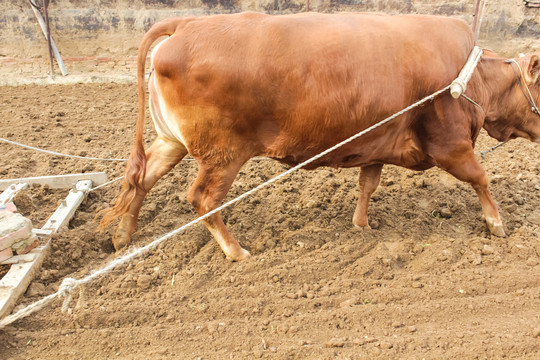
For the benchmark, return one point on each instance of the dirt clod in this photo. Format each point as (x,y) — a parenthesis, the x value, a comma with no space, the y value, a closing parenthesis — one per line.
(335,343)
(144,281)
(36,289)
(411,329)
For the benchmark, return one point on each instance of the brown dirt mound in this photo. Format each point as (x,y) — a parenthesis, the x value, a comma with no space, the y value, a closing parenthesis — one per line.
(427,281)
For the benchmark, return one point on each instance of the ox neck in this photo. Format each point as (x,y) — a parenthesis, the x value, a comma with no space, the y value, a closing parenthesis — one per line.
(493,82)
(488,89)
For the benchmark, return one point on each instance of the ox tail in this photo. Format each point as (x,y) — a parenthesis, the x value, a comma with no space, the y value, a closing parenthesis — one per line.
(136,165)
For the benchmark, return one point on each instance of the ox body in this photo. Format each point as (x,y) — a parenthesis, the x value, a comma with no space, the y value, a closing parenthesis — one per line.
(226,88)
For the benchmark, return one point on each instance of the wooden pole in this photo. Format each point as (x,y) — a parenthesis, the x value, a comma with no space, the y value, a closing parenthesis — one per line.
(54,49)
(47,25)
(481,16)
(56,181)
(475,23)
(19,276)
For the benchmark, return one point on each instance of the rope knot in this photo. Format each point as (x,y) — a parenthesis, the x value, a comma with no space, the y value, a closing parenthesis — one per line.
(67,286)
(65,290)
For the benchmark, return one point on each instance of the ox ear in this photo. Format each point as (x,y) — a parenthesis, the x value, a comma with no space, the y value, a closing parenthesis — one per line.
(533,70)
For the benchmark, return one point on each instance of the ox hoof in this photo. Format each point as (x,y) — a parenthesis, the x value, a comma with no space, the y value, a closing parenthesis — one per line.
(361,224)
(239,255)
(365,227)
(120,240)
(497,230)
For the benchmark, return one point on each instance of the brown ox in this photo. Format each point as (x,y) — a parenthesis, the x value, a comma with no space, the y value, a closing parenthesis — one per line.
(226,88)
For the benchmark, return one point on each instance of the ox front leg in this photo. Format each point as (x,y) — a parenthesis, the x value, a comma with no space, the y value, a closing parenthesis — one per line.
(207,192)
(464,166)
(161,157)
(368,181)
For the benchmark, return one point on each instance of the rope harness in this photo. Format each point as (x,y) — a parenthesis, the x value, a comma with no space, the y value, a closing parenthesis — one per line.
(459,85)
(523,85)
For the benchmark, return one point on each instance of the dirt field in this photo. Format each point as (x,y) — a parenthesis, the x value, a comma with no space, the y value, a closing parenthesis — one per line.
(427,282)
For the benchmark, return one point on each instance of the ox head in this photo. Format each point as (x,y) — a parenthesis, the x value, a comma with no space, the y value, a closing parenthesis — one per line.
(515,111)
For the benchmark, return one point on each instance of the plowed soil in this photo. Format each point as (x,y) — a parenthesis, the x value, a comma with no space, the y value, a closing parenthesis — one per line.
(428,281)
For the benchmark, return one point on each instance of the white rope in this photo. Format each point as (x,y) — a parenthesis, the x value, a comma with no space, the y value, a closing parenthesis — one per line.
(57,153)
(107,183)
(83,157)
(69,284)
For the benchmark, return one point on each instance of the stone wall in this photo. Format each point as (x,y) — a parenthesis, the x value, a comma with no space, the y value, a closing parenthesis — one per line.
(109,30)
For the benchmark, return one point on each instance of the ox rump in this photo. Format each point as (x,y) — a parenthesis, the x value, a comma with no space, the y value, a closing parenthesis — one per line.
(226,88)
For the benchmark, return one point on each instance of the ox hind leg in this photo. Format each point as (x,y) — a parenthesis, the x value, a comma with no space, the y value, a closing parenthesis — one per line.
(161,157)
(462,164)
(368,181)
(207,192)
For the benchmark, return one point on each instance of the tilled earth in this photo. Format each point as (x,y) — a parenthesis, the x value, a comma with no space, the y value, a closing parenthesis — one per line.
(428,281)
